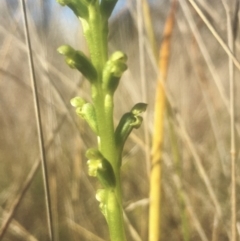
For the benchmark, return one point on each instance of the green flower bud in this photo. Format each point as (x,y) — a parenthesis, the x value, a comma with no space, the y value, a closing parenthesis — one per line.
(101,196)
(118,61)
(94,154)
(139,108)
(128,121)
(87,112)
(113,71)
(77,102)
(118,56)
(78,60)
(66,50)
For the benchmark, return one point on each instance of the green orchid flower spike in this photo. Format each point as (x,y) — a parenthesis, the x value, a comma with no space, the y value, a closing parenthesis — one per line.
(103,73)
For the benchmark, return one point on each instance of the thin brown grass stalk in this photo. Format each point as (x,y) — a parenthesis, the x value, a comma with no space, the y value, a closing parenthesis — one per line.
(157,140)
(22,46)
(53,183)
(200,168)
(202,46)
(231,40)
(210,10)
(198,162)
(208,99)
(215,34)
(39,125)
(202,79)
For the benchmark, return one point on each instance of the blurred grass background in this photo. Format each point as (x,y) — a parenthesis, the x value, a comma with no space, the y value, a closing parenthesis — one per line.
(197,124)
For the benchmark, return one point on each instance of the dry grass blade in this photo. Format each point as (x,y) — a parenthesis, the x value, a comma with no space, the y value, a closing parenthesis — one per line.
(7,220)
(207,95)
(18,229)
(26,184)
(209,10)
(215,34)
(176,156)
(204,51)
(198,162)
(36,55)
(186,198)
(231,40)
(149,27)
(143,75)
(156,152)
(200,168)
(198,201)
(39,125)
(134,234)
(82,231)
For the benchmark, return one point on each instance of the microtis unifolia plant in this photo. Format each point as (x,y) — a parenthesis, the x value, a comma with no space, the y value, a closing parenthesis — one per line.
(103,73)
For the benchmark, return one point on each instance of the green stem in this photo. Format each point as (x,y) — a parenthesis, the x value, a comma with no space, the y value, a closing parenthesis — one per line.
(96,32)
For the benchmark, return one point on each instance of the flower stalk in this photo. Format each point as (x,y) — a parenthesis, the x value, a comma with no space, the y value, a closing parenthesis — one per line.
(104,74)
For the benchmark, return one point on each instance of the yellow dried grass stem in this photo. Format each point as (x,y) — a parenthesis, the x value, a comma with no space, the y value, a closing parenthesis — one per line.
(149,27)
(157,141)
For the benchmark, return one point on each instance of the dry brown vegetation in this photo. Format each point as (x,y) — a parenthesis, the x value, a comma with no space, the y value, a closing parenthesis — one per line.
(196,162)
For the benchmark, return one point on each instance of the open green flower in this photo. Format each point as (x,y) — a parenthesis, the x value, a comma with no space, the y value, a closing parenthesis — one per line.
(100,167)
